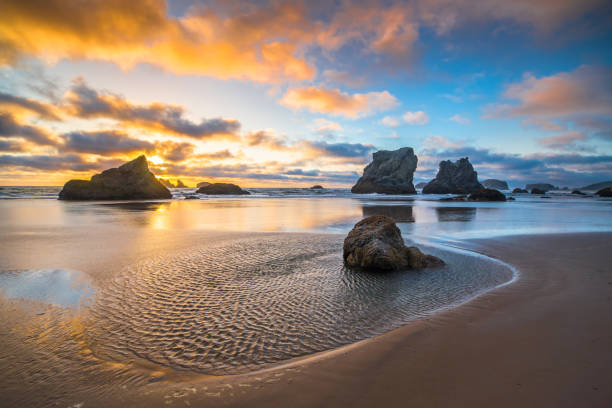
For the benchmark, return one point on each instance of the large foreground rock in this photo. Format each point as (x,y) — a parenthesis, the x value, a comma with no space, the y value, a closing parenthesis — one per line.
(222,189)
(454,178)
(390,172)
(375,243)
(495,184)
(130,181)
(487,194)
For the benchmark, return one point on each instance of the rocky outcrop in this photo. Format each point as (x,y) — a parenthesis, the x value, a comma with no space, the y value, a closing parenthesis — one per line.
(495,184)
(222,189)
(390,172)
(487,194)
(597,186)
(454,178)
(316,187)
(605,192)
(577,192)
(180,184)
(375,243)
(130,181)
(166,183)
(537,191)
(203,184)
(519,191)
(540,186)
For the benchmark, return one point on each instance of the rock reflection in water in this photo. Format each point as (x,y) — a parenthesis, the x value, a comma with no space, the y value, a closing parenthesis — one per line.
(399,213)
(464,214)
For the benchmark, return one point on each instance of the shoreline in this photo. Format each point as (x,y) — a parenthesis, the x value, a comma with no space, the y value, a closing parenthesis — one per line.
(416,364)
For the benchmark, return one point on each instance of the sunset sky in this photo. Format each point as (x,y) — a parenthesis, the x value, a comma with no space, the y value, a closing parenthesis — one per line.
(292,93)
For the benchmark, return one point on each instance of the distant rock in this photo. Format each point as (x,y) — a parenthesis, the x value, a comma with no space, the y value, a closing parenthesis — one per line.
(166,183)
(537,191)
(598,186)
(222,189)
(421,184)
(454,178)
(519,191)
(605,192)
(130,181)
(510,198)
(179,184)
(375,243)
(487,194)
(577,192)
(496,184)
(390,172)
(540,186)
(316,187)
(202,184)
(191,197)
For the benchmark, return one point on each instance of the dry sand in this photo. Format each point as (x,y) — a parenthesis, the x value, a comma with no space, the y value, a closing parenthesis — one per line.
(543,341)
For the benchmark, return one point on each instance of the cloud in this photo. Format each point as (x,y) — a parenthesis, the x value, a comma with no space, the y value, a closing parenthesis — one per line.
(246,44)
(85,102)
(335,102)
(415,118)
(104,142)
(391,121)
(21,105)
(10,127)
(73,162)
(343,77)
(345,150)
(586,90)
(563,141)
(543,124)
(460,119)
(322,125)
(580,99)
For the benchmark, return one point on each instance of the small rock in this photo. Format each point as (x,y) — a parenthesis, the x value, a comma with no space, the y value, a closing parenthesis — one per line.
(222,189)
(487,194)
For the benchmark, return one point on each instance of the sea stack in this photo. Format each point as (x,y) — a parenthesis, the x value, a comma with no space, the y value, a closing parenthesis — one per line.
(390,172)
(375,243)
(454,178)
(130,181)
(540,186)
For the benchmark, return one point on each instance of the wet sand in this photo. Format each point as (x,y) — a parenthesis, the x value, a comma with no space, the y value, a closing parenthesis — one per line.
(545,341)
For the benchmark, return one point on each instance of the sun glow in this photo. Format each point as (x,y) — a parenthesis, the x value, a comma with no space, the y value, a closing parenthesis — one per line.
(156,160)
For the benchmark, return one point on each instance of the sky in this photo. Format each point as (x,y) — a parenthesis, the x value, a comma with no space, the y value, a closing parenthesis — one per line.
(296,93)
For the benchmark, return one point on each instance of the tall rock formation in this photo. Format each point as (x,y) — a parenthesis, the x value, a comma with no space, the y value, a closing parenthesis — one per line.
(454,178)
(390,172)
(130,181)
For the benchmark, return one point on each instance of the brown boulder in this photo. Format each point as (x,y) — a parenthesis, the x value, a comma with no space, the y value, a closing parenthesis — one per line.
(375,243)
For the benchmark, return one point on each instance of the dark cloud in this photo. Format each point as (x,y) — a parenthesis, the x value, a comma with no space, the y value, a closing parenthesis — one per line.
(8,145)
(300,172)
(174,151)
(10,127)
(350,150)
(104,142)
(87,102)
(42,109)
(72,162)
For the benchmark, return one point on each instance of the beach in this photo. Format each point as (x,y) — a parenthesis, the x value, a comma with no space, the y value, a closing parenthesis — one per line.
(542,341)
(245,302)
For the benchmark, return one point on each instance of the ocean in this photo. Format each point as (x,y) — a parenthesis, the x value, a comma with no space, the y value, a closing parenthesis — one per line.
(129,293)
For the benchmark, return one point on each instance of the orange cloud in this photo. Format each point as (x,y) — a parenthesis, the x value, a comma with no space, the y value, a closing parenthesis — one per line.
(131,32)
(335,102)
